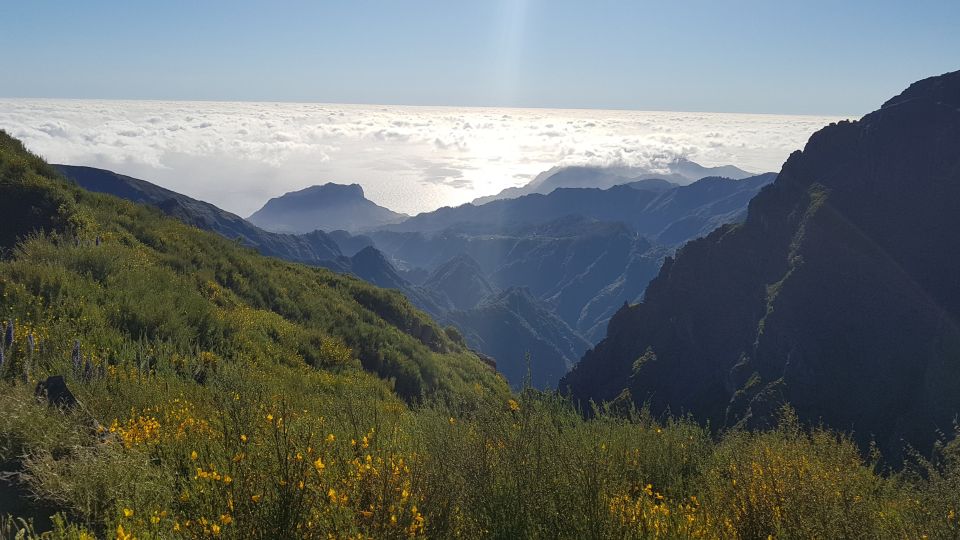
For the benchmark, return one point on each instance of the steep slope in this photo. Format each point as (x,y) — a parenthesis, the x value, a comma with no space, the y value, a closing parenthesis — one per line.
(838,294)
(566,263)
(461,279)
(680,171)
(327,207)
(521,334)
(312,248)
(670,215)
(113,274)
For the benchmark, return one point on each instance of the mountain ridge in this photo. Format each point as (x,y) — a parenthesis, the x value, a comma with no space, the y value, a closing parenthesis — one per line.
(837,294)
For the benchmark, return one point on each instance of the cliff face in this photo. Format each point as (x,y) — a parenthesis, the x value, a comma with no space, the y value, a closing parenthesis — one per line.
(839,294)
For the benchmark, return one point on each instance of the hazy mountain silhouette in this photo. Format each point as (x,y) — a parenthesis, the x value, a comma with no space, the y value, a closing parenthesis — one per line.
(327,207)
(680,171)
(521,334)
(668,215)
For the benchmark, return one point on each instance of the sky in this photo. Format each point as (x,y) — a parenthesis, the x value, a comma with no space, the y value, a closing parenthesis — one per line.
(752,56)
(433,103)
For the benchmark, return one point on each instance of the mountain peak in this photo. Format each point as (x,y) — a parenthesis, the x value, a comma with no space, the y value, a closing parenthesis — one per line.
(942,89)
(329,191)
(327,207)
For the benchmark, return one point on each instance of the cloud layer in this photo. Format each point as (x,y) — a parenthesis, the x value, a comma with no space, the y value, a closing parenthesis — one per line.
(410,159)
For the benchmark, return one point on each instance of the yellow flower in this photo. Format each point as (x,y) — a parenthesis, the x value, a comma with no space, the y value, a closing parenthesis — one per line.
(256,498)
(319,465)
(215,529)
(226,519)
(243,438)
(122,534)
(127,512)
(331,438)
(514,406)
(193,455)
(269,418)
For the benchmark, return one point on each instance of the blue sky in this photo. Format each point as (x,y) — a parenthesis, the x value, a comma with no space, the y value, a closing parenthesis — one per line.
(801,57)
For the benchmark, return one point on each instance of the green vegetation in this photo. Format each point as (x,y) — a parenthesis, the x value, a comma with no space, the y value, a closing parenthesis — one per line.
(227,395)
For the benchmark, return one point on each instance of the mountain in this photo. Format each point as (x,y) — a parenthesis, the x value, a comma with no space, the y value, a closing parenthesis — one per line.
(568,263)
(142,291)
(349,244)
(327,207)
(838,294)
(668,215)
(462,281)
(513,326)
(679,171)
(314,248)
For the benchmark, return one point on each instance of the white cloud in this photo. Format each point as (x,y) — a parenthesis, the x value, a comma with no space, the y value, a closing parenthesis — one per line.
(411,159)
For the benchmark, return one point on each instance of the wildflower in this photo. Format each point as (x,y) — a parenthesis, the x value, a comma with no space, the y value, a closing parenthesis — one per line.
(514,406)
(269,418)
(243,438)
(193,455)
(226,519)
(331,438)
(256,498)
(8,338)
(319,465)
(122,534)
(127,512)
(215,529)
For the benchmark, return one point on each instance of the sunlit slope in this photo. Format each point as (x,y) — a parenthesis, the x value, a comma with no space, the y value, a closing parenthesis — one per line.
(112,275)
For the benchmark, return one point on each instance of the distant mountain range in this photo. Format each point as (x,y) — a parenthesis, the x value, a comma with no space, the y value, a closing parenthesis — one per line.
(838,295)
(327,207)
(680,171)
(556,266)
(666,213)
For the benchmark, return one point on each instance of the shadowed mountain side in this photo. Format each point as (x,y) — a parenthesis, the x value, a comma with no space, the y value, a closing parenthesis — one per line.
(513,324)
(461,280)
(327,207)
(565,263)
(838,294)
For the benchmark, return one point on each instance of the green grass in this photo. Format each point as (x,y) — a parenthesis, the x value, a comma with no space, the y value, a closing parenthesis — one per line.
(236,396)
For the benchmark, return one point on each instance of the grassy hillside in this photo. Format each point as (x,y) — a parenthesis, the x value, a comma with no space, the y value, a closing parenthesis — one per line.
(226,397)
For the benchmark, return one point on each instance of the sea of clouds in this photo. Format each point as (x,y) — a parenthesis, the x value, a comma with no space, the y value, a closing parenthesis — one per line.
(410,159)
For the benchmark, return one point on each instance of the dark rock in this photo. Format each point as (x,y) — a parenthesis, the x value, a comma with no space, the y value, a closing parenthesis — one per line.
(54,390)
(838,295)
